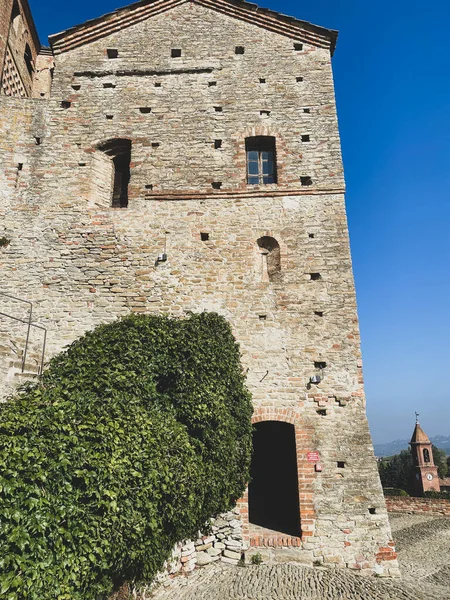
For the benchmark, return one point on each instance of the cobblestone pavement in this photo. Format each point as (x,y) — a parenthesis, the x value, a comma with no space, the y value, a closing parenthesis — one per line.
(424,551)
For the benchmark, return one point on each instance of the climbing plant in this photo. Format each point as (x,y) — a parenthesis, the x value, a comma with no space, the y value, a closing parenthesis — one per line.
(135,436)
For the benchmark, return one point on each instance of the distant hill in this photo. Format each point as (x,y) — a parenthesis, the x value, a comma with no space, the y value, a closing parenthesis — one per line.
(441,441)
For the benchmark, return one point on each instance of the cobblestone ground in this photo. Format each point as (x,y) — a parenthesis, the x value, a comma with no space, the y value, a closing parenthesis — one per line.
(424,551)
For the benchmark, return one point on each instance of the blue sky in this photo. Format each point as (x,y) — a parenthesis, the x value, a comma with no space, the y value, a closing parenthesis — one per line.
(392,73)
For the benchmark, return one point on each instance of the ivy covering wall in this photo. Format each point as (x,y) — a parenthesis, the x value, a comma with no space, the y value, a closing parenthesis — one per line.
(135,436)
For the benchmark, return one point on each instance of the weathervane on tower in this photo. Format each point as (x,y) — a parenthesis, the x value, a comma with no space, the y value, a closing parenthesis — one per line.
(417,418)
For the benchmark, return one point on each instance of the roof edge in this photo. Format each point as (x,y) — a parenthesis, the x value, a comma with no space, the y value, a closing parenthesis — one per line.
(241,9)
(30,20)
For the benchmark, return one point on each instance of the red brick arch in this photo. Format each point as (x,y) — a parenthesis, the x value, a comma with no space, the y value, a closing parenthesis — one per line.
(306,476)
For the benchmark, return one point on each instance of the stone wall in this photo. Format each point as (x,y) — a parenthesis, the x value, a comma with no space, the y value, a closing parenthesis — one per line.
(418,506)
(83,263)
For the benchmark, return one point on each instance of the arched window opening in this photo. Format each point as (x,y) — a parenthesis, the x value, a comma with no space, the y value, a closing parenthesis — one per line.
(270,258)
(261,160)
(426,455)
(28,58)
(119,151)
(273,494)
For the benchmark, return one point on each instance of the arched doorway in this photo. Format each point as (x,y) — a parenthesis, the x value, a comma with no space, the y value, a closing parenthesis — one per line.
(273,490)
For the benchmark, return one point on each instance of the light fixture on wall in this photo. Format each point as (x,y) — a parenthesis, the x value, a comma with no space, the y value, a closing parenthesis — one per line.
(163,256)
(315,379)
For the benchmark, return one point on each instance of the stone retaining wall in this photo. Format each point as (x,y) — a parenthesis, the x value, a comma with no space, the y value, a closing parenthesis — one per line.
(224,543)
(430,506)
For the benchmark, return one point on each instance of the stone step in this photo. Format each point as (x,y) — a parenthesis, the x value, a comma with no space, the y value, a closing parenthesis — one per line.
(26,375)
(28,367)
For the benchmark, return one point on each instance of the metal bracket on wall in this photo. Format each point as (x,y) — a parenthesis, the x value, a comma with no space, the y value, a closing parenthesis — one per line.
(29,326)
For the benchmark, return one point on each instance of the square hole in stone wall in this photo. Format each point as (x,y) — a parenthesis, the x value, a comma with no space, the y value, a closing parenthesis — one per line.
(149,186)
(264,113)
(157,84)
(145,110)
(306,138)
(239,50)
(262,80)
(320,365)
(216,185)
(112,53)
(155,144)
(204,236)
(175,53)
(76,86)
(299,79)
(340,464)
(109,85)
(218,109)
(307,111)
(66,104)
(212,83)
(263,317)
(311,235)
(110,117)
(372,511)
(315,276)
(322,412)
(298,46)
(306,180)
(318,313)
(217,144)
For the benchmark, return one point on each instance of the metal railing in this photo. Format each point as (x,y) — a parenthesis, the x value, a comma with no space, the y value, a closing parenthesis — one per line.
(29,325)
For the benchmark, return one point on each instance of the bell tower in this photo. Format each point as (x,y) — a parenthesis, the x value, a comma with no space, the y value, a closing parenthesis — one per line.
(426,477)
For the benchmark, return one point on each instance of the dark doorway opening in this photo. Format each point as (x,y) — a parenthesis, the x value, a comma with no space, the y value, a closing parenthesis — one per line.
(273,490)
(119,150)
(121,179)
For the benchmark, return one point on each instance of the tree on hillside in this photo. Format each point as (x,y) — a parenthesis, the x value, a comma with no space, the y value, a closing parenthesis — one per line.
(440,460)
(397,471)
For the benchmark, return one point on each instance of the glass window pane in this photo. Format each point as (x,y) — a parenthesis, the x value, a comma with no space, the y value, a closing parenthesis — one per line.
(266,155)
(253,180)
(253,168)
(267,168)
(268,179)
(252,155)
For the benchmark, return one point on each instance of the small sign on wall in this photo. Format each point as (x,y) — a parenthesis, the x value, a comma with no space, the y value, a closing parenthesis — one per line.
(313,457)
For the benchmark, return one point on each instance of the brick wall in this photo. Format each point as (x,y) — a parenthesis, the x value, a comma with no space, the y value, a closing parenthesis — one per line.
(15,36)
(83,263)
(430,506)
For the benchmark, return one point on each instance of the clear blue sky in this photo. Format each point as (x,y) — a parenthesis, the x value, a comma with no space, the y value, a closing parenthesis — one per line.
(392,72)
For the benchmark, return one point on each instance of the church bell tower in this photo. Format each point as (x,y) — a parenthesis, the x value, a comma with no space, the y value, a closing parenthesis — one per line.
(426,477)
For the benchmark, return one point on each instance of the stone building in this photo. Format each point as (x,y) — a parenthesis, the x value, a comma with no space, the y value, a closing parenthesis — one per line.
(426,478)
(183,156)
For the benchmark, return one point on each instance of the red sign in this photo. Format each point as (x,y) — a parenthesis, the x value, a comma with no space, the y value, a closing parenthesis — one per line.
(313,457)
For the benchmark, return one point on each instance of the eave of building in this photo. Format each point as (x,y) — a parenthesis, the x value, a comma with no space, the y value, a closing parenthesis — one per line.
(105,25)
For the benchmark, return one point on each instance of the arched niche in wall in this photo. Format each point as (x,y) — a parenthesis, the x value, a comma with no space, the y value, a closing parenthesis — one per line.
(270,260)
(111,172)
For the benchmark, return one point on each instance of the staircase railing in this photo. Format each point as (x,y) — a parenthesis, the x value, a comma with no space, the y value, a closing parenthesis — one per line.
(29,325)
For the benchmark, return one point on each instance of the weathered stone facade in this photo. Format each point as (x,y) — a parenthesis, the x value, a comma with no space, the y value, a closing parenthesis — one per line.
(241,73)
